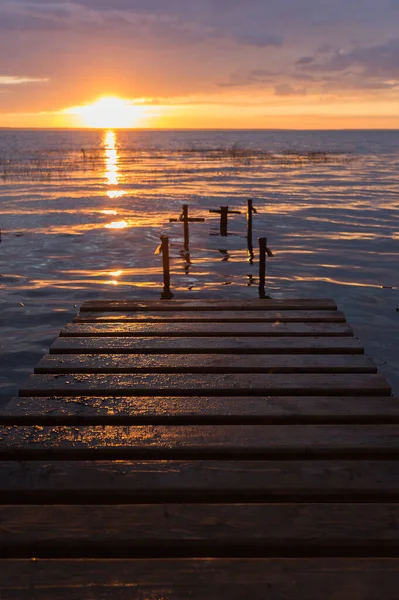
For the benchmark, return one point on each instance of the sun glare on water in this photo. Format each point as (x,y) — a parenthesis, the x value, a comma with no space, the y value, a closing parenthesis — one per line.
(110,112)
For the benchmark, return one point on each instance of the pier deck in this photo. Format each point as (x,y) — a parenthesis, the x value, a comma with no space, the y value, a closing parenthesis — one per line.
(205,450)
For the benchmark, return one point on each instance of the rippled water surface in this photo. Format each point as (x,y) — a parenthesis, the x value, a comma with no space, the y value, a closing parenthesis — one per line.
(81,213)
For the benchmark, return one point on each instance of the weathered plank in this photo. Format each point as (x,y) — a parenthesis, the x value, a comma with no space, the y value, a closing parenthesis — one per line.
(197,529)
(137,410)
(190,384)
(201,345)
(214,316)
(204,363)
(79,482)
(276,329)
(199,579)
(217,304)
(200,441)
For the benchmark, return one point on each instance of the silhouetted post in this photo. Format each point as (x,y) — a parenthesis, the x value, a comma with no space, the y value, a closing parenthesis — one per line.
(262,267)
(186,220)
(186,230)
(250,211)
(264,251)
(224,212)
(166,294)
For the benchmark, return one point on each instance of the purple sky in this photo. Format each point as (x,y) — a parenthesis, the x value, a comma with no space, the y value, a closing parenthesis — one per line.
(255,56)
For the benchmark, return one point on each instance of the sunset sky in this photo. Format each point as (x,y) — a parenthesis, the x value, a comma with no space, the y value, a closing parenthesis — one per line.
(200,63)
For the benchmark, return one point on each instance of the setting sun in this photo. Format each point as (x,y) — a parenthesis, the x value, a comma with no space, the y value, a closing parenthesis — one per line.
(109,112)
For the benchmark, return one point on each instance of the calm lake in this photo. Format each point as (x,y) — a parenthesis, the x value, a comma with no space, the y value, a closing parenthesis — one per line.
(81,213)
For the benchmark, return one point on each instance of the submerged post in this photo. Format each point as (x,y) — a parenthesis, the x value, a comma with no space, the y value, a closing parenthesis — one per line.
(166,294)
(262,267)
(250,211)
(186,220)
(186,230)
(224,213)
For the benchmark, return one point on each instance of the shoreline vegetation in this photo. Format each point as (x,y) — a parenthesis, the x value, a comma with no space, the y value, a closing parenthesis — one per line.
(53,164)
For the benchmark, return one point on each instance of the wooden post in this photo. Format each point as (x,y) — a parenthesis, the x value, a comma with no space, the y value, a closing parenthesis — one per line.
(186,229)
(249,221)
(224,211)
(250,211)
(166,294)
(262,267)
(184,218)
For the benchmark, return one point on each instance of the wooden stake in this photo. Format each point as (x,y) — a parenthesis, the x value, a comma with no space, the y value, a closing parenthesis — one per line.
(250,211)
(262,267)
(166,294)
(186,229)
(224,212)
(186,220)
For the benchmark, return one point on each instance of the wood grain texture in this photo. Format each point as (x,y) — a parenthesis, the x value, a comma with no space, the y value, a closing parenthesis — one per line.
(187,442)
(238,439)
(190,384)
(78,482)
(204,363)
(201,345)
(206,330)
(169,410)
(197,529)
(214,316)
(200,579)
(201,305)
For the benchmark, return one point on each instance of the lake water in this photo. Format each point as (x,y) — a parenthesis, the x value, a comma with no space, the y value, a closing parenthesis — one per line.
(81,213)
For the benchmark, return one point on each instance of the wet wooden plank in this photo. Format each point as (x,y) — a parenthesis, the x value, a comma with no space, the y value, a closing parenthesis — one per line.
(199,579)
(197,529)
(204,363)
(206,330)
(254,384)
(217,304)
(201,345)
(200,410)
(215,316)
(200,441)
(231,481)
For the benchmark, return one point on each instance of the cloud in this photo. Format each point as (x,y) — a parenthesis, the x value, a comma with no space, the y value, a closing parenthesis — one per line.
(305,60)
(285,89)
(373,67)
(137,48)
(255,77)
(373,60)
(15,80)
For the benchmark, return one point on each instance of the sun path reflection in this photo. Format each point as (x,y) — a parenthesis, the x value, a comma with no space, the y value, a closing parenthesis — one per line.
(112,172)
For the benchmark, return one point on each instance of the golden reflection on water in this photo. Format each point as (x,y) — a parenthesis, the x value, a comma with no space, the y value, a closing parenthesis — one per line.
(111,158)
(114,194)
(112,171)
(117,225)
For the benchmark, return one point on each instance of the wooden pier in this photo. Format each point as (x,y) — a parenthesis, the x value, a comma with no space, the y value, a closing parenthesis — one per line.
(201,449)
